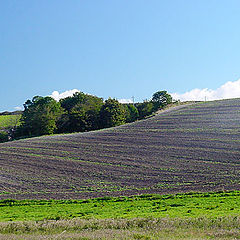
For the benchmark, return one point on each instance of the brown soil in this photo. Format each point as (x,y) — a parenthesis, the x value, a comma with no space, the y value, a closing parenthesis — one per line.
(188,148)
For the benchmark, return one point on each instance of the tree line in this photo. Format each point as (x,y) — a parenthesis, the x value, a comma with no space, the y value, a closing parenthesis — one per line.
(82,112)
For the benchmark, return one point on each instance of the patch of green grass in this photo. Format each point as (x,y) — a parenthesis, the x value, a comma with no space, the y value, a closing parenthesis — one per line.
(4,192)
(9,121)
(194,205)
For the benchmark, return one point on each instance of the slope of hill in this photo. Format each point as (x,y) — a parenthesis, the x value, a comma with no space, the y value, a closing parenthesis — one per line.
(189,148)
(8,121)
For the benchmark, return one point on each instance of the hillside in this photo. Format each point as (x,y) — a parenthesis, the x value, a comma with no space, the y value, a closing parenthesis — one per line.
(8,121)
(189,148)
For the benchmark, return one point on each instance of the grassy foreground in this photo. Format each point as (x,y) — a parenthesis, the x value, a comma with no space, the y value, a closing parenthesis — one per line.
(141,228)
(180,216)
(194,205)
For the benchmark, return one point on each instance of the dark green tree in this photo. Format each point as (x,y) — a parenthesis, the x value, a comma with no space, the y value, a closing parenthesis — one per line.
(161,99)
(3,136)
(40,116)
(112,113)
(131,113)
(145,109)
(82,113)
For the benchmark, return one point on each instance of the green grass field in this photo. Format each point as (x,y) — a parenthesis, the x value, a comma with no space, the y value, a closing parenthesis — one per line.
(9,121)
(180,216)
(194,205)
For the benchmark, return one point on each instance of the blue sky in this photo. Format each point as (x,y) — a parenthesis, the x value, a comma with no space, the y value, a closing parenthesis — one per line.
(117,48)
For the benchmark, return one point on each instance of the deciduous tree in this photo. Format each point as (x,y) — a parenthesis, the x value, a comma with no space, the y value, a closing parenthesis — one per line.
(161,99)
(112,113)
(40,116)
(82,113)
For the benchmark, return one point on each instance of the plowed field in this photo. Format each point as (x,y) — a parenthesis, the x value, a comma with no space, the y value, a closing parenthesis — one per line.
(188,148)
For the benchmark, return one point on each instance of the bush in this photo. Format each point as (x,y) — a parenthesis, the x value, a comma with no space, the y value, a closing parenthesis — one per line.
(131,113)
(145,109)
(3,136)
(112,113)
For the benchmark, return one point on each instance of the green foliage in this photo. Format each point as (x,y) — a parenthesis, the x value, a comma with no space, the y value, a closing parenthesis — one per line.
(112,113)
(40,116)
(82,113)
(145,109)
(3,136)
(161,99)
(131,113)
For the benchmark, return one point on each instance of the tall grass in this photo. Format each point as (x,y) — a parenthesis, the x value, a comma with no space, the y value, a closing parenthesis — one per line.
(138,228)
(55,226)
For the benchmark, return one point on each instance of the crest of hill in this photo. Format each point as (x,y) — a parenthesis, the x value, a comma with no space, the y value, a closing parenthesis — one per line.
(10,113)
(187,148)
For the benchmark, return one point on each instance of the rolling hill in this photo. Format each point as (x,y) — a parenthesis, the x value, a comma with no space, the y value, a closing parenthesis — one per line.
(187,148)
(8,121)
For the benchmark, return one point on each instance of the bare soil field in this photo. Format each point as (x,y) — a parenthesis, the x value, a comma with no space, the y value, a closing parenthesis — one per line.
(188,148)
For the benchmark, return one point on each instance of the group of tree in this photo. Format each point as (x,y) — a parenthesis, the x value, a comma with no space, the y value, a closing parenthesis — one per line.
(82,112)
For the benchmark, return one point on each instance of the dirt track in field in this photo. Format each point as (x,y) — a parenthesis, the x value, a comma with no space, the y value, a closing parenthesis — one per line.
(189,148)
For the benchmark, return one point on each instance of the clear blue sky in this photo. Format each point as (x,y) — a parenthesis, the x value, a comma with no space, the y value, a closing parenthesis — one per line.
(117,48)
